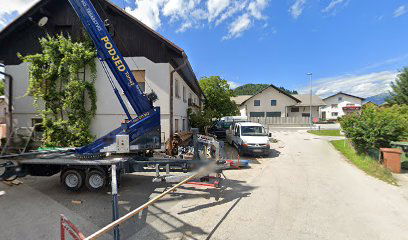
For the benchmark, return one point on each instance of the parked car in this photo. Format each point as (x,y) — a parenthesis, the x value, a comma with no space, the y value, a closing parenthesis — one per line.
(220,127)
(249,138)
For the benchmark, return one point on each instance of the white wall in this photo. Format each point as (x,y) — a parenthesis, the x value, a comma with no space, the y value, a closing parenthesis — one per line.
(341,103)
(180,104)
(265,97)
(109,113)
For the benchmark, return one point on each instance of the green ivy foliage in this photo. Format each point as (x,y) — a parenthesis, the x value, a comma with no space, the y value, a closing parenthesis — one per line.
(65,101)
(376,127)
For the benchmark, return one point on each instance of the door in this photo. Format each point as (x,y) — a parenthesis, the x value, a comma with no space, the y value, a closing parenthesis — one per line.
(324,115)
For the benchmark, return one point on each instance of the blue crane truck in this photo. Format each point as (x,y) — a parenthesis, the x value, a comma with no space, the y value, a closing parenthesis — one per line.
(130,146)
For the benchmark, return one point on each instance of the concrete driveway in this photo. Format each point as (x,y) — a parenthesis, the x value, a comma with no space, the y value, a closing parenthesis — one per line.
(305,190)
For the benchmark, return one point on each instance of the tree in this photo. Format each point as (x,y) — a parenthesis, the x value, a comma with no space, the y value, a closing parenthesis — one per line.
(251,89)
(399,93)
(218,97)
(66,103)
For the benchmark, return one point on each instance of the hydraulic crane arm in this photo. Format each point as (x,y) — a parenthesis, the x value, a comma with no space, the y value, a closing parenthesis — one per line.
(137,133)
(109,53)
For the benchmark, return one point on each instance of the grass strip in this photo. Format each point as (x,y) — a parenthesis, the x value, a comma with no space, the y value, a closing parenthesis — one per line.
(364,162)
(334,133)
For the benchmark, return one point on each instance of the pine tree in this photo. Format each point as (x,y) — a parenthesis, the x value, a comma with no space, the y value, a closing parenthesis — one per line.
(399,93)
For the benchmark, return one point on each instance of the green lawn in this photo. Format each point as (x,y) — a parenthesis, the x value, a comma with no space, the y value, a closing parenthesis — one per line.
(334,133)
(364,162)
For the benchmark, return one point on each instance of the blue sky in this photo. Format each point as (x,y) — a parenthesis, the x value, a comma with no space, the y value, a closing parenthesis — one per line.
(356,46)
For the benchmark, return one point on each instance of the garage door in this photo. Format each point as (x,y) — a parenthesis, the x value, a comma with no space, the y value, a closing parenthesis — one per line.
(257,114)
(274,114)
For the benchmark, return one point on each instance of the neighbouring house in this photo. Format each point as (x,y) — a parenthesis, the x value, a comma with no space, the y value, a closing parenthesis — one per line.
(151,57)
(340,104)
(273,102)
(302,109)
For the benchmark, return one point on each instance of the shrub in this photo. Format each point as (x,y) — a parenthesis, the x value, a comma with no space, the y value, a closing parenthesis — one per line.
(376,127)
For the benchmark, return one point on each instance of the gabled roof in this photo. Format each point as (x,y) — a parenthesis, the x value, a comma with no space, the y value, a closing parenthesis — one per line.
(277,89)
(305,100)
(240,99)
(27,21)
(343,94)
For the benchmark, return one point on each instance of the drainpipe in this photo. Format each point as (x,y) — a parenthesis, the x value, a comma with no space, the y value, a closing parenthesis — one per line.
(172,93)
(10,101)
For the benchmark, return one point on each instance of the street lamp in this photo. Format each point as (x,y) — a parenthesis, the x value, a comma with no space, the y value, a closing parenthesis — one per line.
(311,92)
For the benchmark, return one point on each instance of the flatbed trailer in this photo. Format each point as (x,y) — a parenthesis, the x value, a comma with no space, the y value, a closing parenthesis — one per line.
(93,173)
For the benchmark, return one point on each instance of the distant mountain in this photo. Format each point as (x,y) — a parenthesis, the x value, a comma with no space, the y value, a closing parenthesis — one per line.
(378,99)
(251,89)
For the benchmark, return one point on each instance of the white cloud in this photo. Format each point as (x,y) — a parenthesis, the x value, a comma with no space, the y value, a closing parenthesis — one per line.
(14,6)
(232,9)
(233,85)
(185,26)
(401,10)
(215,8)
(237,27)
(256,8)
(332,5)
(361,85)
(297,8)
(148,12)
(187,14)
(238,15)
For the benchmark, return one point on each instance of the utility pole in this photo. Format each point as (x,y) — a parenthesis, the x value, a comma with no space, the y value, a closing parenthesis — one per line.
(311,92)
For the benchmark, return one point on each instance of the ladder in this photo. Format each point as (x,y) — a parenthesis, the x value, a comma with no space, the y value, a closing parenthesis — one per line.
(18,141)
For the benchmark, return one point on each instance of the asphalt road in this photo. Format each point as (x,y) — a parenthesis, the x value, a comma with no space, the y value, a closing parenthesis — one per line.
(304,190)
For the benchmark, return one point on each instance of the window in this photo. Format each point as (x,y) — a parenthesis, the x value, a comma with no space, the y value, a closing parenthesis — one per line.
(257,114)
(257,103)
(334,105)
(140,79)
(334,114)
(340,99)
(305,114)
(253,131)
(184,94)
(184,124)
(190,99)
(273,114)
(176,125)
(176,89)
(273,102)
(294,109)
(350,104)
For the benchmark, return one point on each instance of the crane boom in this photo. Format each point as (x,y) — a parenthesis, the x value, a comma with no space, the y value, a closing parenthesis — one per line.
(136,133)
(109,53)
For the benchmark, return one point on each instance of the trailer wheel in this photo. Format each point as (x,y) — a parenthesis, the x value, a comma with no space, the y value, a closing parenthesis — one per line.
(72,179)
(95,180)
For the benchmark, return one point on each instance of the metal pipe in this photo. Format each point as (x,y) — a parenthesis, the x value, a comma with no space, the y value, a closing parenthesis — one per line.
(311,92)
(172,93)
(133,213)
(10,101)
(115,206)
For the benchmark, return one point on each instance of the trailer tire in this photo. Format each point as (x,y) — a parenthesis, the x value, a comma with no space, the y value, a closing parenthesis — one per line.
(95,180)
(72,179)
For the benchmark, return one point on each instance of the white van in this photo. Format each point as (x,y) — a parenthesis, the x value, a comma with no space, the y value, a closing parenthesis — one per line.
(249,138)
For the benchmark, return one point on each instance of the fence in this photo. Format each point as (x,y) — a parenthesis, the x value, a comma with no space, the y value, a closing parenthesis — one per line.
(281,120)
